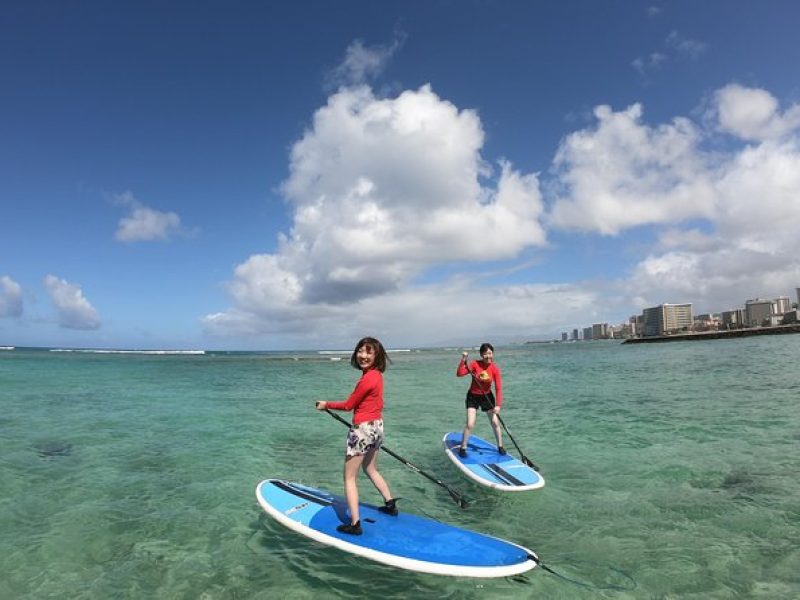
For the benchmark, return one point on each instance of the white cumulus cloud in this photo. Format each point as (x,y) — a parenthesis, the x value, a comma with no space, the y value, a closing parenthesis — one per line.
(759,206)
(382,189)
(692,239)
(144,223)
(10,297)
(753,113)
(436,313)
(363,63)
(623,173)
(752,247)
(74,310)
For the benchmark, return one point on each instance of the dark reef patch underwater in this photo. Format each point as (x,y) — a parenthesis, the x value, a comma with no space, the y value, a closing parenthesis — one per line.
(53,448)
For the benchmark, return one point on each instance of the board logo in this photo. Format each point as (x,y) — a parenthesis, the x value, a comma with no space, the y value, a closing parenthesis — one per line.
(294,509)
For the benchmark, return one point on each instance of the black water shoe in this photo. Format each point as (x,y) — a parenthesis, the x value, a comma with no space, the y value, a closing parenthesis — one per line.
(462,452)
(354,529)
(501,450)
(389,507)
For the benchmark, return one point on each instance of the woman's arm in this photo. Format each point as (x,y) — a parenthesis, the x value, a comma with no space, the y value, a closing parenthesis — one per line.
(498,386)
(463,368)
(362,389)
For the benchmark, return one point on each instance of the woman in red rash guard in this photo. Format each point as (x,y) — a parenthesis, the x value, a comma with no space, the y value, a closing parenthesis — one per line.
(366,434)
(483,373)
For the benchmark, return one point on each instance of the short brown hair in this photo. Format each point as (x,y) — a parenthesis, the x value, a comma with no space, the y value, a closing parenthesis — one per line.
(381,358)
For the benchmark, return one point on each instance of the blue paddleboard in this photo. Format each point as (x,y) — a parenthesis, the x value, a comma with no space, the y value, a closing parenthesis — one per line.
(405,541)
(486,466)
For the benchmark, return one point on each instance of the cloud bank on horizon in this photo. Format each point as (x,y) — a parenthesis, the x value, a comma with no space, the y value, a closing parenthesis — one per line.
(383,189)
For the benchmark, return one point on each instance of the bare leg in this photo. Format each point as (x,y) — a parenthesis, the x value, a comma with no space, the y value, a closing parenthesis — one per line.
(498,433)
(470,425)
(351,466)
(370,466)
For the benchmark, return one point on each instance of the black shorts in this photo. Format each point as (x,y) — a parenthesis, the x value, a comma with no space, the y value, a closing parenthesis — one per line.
(484,401)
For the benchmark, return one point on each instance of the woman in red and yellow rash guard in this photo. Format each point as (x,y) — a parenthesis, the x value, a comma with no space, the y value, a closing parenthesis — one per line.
(366,434)
(483,373)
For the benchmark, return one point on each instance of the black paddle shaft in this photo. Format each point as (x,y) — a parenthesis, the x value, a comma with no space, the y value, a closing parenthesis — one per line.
(458,498)
(524,458)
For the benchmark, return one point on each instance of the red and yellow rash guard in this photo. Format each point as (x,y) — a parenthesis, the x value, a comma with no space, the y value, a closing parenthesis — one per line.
(366,401)
(481,383)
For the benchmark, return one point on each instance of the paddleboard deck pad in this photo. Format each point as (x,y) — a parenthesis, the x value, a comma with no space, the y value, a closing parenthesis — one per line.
(486,466)
(405,541)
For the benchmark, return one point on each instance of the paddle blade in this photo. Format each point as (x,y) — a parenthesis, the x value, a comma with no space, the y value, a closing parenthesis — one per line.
(458,499)
(530,463)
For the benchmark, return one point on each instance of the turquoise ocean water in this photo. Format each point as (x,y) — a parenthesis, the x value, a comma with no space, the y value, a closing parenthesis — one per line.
(672,471)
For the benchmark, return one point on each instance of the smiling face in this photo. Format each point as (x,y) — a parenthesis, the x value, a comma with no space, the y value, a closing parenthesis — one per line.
(487,356)
(369,354)
(365,356)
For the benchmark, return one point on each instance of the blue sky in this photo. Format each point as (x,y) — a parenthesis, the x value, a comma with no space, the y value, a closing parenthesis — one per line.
(248,175)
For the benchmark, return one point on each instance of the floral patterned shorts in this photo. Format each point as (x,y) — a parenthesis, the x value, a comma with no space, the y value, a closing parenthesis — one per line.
(365,437)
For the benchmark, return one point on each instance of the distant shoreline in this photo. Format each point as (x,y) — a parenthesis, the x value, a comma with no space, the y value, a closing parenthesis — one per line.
(716,335)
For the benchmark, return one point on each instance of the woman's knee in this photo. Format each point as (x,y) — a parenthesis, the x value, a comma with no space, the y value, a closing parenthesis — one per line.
(351,466)
(470,421)
(371,472)
(368,467)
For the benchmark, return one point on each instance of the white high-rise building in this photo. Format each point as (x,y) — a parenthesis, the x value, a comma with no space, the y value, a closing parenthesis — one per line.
(782,305)
(667,318)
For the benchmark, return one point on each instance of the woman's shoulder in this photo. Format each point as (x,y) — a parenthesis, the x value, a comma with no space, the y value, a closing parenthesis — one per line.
(372,375)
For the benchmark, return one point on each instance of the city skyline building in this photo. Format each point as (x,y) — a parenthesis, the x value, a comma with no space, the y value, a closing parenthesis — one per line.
(782,305)
(733,319)
(758,311)
(667,318)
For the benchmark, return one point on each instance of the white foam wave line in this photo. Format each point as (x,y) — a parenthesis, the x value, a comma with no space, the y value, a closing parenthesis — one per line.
(7,347)
(152,352)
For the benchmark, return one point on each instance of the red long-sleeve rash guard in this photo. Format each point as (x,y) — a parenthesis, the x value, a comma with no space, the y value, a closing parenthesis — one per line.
(366,401)
(485,377)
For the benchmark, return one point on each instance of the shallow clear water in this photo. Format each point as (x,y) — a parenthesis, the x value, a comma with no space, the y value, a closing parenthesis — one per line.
(672,471)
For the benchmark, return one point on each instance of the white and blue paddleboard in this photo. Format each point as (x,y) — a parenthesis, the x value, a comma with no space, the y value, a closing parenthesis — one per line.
(405,541)
(486,466)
